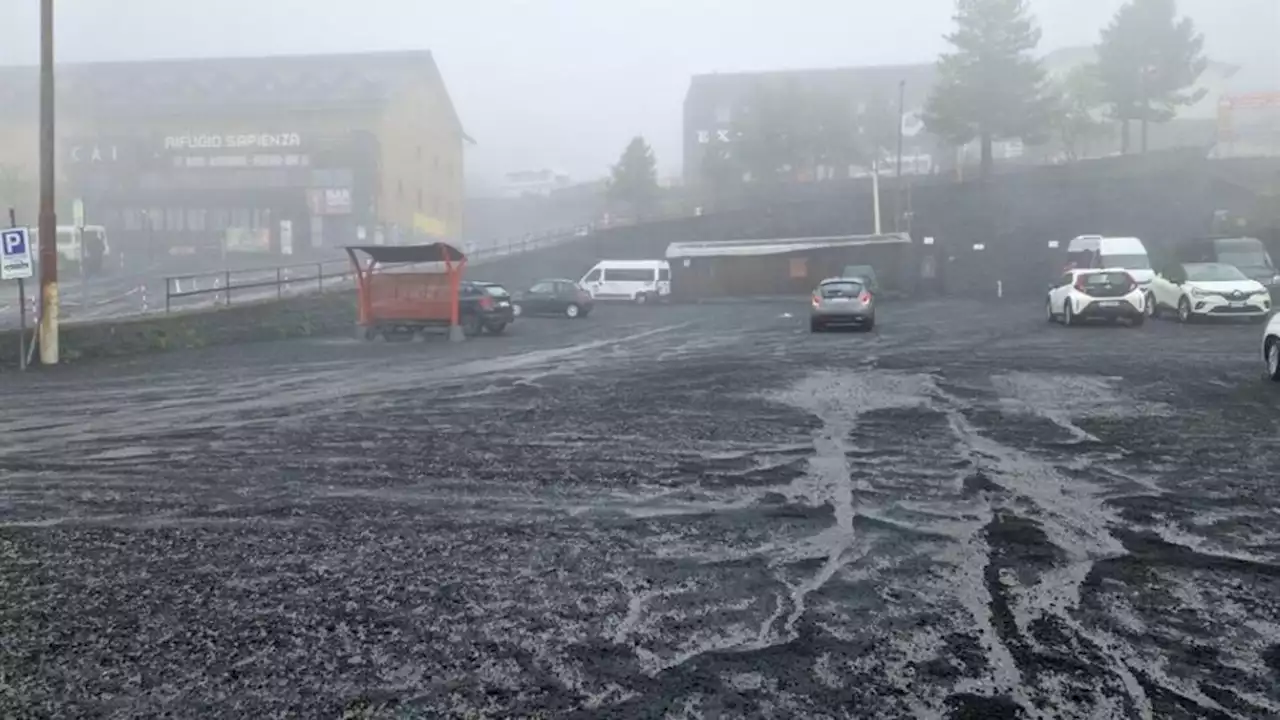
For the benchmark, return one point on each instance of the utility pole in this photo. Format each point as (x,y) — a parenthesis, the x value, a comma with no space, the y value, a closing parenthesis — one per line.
(48,216)
(897,182)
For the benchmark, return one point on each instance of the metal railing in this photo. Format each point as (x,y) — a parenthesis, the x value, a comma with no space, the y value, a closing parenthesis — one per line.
(218,288)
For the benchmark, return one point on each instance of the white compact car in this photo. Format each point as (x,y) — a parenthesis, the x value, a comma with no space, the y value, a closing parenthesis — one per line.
(1271,348)
(1197,290)
(1109,294)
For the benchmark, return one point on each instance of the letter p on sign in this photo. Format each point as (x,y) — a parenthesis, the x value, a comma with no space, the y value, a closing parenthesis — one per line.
(15,254)
(15,243)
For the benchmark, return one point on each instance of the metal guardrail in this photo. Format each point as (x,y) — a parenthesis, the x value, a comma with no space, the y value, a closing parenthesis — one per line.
(257,284)
(254,284)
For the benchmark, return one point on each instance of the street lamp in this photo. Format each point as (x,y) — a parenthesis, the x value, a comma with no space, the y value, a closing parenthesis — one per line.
(897,181)
(48,216)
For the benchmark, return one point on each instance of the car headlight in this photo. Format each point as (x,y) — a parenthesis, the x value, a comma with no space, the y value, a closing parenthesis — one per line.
(1197,292)
(1275,280)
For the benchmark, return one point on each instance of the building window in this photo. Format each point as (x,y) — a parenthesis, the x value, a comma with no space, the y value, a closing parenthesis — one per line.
(173,219)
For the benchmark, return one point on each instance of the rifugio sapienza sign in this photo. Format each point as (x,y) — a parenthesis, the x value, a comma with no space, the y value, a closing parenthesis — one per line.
(232,141)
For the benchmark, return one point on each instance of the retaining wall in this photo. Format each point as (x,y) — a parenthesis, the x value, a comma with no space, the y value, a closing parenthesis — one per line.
(319,314)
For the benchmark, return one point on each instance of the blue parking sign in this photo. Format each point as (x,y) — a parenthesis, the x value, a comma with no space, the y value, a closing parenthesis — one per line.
(15,254)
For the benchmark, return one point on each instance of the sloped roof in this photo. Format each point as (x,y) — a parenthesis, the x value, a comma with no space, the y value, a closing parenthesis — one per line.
(864,81)
(778,246)
(193,85)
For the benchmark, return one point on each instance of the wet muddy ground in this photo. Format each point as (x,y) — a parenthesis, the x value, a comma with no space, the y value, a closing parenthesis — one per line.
(679,512)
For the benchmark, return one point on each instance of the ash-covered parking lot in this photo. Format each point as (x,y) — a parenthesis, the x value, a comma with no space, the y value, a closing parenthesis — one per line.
(687,511)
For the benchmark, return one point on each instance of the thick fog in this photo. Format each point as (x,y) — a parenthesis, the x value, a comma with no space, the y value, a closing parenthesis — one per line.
(565,83)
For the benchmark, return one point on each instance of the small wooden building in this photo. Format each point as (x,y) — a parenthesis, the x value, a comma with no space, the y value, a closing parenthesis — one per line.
(786,266)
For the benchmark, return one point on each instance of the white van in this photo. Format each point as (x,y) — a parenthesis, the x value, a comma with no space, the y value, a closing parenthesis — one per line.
(1096,251)
(69,239)
(638,281)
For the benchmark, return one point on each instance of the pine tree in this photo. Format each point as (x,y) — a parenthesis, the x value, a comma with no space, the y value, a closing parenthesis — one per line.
(991,87)
(634,179)
(1147,60)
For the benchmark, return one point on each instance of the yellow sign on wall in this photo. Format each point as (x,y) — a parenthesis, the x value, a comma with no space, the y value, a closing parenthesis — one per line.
(429,225)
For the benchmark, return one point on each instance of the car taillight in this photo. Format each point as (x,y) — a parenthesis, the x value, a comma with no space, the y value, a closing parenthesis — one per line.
(817,300)
(1080,285)
(865,297)
(486,303)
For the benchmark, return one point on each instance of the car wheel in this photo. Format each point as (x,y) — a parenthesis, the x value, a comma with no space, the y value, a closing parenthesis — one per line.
(815,326)
(516,309)
(1273,359)
(1184,311)
(1152,309)
(1068,317)
(1048,311)
(496,328)
(642,298)
(471,325)
(1138,321)
(871,325)
(573,311)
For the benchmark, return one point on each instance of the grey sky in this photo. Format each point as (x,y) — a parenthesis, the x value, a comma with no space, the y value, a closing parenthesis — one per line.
(565,83)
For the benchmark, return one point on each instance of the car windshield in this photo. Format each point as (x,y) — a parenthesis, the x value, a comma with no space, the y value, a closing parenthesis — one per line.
(841,289)
(1214,273)
(495,290)
(1243,253)
(1130,262)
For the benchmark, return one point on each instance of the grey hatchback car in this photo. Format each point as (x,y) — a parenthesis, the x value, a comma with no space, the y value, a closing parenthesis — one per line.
(842,302)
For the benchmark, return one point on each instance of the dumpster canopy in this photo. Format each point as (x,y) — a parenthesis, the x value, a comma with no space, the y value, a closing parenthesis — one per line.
(433,252)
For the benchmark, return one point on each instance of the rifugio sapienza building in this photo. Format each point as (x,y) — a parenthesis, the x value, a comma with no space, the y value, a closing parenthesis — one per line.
(271,156)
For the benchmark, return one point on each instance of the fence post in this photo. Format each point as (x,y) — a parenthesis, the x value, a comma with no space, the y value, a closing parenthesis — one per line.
(226,285)
(279,284)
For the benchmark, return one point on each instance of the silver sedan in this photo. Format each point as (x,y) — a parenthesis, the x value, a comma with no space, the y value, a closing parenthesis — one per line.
(842,302)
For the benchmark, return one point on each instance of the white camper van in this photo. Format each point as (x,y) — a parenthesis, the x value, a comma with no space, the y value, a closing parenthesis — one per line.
(638,281)
(1096,251)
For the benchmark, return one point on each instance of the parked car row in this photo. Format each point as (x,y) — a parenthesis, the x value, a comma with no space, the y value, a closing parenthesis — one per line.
(491,307)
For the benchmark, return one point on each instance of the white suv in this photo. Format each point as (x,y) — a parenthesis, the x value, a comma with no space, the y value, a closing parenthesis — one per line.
(1271,347)
(1196,290)
(1109,294)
